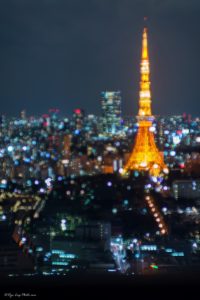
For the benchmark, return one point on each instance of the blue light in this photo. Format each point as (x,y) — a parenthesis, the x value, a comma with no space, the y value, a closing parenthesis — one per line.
(154,179)
(168,250)
(39,249)
(61,126)
(172,153)
(136,173)
(29,183)
(77,131)
(177,254)
(27,160)
(59,263)
(10,148)
(3,186)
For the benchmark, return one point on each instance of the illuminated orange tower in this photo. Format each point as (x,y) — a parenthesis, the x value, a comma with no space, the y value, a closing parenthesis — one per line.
(145,155)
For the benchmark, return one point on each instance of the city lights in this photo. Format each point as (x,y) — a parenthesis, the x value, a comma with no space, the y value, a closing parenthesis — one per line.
(78,197)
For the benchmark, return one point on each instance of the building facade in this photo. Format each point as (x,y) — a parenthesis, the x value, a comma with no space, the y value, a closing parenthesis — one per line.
(111,112)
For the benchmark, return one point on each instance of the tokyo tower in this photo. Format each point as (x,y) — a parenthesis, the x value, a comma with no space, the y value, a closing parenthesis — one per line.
(145,155)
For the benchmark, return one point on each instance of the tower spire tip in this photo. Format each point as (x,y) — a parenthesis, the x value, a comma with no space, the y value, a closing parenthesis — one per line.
(145,23)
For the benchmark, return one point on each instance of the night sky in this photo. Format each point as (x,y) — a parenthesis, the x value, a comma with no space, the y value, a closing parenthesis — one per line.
(63,53)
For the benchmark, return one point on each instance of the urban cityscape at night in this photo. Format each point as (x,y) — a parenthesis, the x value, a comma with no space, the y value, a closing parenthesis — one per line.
(107,193)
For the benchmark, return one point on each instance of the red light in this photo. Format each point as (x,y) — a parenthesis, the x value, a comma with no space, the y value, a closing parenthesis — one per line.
(77,111)
(45,116)
(184,115)
(55,110)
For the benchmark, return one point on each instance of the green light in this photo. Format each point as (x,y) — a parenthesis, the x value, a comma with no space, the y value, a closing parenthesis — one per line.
(154,266)
(87,201)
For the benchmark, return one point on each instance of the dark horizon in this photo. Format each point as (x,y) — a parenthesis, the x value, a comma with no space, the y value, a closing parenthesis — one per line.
(64,53)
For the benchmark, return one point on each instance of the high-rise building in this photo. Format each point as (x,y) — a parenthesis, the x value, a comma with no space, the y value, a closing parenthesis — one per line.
(23,114)
(186,189)
(78,119)
(145,155)
(111,112)
(66,146)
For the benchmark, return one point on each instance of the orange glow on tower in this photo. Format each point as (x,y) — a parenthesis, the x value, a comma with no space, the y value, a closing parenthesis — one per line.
(145,155)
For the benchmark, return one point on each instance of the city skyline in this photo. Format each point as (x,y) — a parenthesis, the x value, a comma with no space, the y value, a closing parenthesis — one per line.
(99,146)
(66,61)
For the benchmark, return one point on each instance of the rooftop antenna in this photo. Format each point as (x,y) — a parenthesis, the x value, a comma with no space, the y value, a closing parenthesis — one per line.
(145,21)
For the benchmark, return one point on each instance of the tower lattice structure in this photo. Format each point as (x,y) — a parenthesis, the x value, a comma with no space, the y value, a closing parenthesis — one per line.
(145,155)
